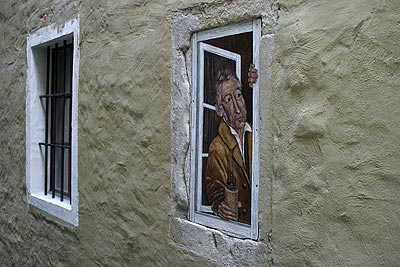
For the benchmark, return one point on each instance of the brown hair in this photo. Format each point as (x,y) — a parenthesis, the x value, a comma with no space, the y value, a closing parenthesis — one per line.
(223,75)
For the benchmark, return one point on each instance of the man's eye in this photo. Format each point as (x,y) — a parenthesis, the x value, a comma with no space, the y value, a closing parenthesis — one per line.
(227,99)
(237,95)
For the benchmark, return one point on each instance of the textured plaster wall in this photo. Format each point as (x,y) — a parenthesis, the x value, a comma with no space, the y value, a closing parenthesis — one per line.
(336,117)
(124,138)
(26,238)
(329,128)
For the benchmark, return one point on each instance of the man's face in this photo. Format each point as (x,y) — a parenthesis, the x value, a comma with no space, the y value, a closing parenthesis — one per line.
(233,103)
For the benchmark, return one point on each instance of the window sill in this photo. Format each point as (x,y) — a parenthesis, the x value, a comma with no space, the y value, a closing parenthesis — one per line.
(217,246)
(53,201)
(231,228)
(55,208)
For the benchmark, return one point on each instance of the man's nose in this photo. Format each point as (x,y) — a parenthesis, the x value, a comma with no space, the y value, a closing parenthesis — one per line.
(236,106)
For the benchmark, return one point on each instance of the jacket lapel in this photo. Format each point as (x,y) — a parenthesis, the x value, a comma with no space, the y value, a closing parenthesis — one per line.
(230,141)
(248,145)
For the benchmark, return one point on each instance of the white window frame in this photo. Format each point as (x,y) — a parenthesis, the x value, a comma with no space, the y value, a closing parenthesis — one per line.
(197,211)
(35,121)
(227,54)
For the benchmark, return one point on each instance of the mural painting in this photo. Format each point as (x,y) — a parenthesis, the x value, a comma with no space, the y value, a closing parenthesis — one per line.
(226,116)
(228,169)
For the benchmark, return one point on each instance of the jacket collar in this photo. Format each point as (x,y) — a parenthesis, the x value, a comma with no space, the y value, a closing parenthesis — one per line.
(226,135)
(230,141)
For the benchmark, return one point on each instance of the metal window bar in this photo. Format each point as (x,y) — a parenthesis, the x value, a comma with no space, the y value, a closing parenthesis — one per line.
(53,95)
(55,145)
(70,130)
(47,121)
(63,121)
(53,124)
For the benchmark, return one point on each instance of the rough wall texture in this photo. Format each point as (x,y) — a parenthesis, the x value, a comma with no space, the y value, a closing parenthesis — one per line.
(26,238)
(330,128)
(336,134)
(124,138)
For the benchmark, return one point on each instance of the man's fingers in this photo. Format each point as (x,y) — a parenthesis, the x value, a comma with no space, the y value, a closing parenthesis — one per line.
(252,75)
(226,216)
(225,212)
(253,72)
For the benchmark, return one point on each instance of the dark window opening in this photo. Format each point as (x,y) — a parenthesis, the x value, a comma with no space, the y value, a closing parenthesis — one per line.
(58,111)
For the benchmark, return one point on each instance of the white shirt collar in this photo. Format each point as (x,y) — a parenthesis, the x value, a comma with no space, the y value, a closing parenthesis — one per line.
(247,128)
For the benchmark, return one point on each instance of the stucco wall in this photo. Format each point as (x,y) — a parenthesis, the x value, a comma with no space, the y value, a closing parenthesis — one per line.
(329,132)
(335,110)
(124,139)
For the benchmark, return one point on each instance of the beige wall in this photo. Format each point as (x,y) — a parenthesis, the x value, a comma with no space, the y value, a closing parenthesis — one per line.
(330,134)
(335,111)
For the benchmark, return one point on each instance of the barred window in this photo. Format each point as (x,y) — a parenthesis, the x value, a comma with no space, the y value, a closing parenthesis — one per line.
(51,120)
(57,103)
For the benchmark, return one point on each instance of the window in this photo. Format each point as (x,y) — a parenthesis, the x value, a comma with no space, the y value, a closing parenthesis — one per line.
(57,148)
(51,154)
(224,145)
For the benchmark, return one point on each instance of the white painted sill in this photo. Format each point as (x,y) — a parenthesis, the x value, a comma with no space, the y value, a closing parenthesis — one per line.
(51,201)
(54,208)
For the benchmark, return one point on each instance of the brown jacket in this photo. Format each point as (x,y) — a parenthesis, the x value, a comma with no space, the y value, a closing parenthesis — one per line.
(224,158)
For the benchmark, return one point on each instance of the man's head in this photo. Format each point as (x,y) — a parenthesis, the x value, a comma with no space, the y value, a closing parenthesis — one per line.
(230,103)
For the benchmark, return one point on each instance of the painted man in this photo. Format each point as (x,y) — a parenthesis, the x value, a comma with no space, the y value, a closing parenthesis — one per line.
(229,157)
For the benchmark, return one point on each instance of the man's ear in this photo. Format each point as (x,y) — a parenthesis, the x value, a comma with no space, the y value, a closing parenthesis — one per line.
(218,110)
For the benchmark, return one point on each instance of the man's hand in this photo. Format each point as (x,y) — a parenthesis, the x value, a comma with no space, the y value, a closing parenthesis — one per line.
(252,75)
(226,213)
